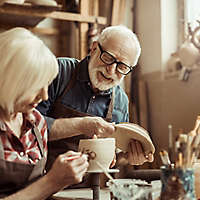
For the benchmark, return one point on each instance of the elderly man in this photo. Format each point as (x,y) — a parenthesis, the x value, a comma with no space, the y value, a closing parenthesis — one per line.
(90,87)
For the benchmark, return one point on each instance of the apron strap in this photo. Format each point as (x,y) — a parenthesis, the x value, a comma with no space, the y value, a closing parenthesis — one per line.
(38,169)
(70,83)
(39,139)
(1,150)
(111,105)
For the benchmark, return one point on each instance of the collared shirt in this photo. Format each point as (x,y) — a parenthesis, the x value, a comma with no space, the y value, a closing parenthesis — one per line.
(26,148)
(81,97)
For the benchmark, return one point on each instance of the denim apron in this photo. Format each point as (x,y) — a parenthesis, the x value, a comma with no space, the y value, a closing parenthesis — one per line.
(59,110)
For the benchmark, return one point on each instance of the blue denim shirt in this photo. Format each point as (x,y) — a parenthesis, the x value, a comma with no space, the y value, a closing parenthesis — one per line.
(81,97)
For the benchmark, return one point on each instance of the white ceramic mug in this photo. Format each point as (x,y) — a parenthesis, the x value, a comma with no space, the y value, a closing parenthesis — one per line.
(102,148)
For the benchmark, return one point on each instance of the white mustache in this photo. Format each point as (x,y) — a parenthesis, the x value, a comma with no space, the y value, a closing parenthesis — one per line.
(107,76)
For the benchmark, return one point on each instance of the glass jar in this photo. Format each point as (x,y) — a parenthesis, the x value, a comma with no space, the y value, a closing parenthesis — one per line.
(177,184)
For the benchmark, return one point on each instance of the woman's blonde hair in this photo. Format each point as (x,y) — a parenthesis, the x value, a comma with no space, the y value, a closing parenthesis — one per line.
(26,65)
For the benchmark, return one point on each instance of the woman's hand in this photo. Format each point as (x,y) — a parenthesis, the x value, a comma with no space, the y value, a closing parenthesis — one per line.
(69,168)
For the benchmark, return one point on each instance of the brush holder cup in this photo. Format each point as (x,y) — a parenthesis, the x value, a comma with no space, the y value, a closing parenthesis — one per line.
(101,150)
(177,183)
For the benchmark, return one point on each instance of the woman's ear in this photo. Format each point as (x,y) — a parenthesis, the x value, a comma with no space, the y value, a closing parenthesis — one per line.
(94,47)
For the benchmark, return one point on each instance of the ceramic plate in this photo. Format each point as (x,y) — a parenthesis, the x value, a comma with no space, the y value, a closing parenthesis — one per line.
(126,131)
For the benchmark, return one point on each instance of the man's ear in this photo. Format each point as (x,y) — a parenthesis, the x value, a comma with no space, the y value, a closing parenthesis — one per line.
(94,47)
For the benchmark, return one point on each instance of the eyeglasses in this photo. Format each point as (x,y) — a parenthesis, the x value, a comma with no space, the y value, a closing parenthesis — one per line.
(109,59)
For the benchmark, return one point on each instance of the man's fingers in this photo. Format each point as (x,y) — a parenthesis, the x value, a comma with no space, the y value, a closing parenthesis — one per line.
(150,157)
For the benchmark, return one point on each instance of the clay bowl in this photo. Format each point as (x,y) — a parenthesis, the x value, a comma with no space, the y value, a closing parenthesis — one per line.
(101,150)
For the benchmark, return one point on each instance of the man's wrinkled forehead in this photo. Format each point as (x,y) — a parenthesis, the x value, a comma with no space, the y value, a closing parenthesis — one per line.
(123,47)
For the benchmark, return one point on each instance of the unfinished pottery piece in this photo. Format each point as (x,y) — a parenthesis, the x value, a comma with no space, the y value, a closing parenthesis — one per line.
(133,189)
(42,2)
(101,150)
(188,54)
(14,1)
(124,132)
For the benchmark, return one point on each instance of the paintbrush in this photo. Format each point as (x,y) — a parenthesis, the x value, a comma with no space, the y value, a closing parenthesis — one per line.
(182,155)
(197,123)
(193,142)
(72,157)
(195,147)
(177,147)
(165,157)
(190,138)
(170,137)
(180,149)
(198,147)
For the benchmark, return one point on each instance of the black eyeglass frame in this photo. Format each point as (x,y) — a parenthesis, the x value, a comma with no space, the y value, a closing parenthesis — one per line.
(115,60)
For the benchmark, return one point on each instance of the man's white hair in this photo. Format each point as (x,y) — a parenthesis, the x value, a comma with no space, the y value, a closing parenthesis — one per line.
(120,30)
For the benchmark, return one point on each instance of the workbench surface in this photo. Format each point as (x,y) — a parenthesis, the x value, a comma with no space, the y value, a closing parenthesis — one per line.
(81,194)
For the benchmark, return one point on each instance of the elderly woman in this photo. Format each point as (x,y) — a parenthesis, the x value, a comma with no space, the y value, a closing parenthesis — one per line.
(27,67)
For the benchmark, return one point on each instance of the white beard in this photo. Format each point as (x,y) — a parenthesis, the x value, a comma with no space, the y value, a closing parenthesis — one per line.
(104,84)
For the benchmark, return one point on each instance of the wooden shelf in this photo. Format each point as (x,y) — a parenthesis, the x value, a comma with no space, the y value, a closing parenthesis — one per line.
(30,15)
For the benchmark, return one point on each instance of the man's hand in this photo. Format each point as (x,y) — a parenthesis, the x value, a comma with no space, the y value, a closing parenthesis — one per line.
(96,126)
(89,126)
(135,154)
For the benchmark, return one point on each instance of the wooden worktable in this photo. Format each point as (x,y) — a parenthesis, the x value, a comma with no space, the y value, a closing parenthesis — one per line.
(80,194)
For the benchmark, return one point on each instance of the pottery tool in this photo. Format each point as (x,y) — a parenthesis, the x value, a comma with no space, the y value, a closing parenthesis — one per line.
(197,123)
(165,157)
(186,146)
(170,137)
(192,143)
(198,146)
(70,158)
(182,150)
(190,138)
(180,159)
(195,147)
(177,147)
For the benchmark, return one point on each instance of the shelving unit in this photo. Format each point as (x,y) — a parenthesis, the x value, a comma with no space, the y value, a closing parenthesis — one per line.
(31,15)
(27,15)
